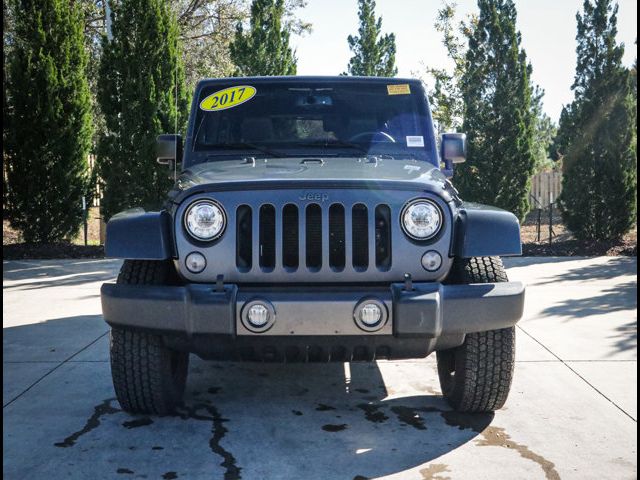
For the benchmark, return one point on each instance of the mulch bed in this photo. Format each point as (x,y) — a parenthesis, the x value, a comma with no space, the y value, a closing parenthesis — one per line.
(47,251)
(571,248)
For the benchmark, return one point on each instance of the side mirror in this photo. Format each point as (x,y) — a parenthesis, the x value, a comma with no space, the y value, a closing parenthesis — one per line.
(169,149)
(454,147)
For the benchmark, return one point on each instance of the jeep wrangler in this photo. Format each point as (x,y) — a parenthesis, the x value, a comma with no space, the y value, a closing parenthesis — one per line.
(312,219)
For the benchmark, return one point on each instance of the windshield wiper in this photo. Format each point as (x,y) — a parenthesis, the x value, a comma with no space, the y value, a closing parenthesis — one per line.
(246,146)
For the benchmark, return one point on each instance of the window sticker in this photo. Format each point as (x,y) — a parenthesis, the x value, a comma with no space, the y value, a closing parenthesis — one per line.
(402,89)
(415,141)
(227,98)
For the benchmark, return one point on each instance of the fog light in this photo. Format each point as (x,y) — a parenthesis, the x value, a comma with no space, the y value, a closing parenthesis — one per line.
(431,261)
(195,262)
(258,316)
(370,314)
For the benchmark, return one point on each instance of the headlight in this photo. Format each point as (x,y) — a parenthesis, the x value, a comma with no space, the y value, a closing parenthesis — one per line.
(421,219)
(205,220)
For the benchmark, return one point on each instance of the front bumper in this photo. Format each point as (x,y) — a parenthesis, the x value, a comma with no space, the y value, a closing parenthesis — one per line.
(322,316)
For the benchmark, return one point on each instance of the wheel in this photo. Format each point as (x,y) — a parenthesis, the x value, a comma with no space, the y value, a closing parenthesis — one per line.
(476,376)
(147,376)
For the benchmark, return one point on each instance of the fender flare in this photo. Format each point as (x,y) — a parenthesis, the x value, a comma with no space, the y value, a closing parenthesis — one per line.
(138,235)
(483,231)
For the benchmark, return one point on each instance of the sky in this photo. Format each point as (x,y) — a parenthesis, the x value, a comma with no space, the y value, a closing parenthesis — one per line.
(548,30)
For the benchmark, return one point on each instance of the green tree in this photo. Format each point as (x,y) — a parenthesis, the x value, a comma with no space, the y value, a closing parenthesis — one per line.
(498,116)
(598,132)
(544,133)
(374,54)
(206,31)
(445,97)
(264,49)
(141,92)
(49,112)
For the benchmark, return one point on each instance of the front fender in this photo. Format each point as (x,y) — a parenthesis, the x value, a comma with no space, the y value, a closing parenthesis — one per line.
(483,231)
(139,235)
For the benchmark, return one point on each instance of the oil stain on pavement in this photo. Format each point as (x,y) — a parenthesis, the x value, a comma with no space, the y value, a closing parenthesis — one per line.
(393,412)
(93,422)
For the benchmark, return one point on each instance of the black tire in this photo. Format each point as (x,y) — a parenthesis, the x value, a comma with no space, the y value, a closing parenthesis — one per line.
(476,376)
(147,376)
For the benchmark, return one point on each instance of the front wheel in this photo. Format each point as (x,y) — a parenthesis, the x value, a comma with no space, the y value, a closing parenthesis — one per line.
(477,375)
(148,377)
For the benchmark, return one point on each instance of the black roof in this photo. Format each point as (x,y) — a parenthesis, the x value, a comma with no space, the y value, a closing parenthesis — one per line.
(305,78)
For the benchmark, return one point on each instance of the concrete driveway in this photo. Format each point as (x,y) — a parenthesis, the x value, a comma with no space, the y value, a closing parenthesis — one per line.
(572,412)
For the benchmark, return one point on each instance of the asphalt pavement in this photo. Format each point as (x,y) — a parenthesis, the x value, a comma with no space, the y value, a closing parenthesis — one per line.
(572,411)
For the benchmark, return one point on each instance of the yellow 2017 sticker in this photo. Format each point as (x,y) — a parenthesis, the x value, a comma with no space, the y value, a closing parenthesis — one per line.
(227,98)
(401,89)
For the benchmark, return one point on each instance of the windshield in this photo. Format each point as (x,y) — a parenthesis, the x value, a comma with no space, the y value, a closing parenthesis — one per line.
(279,119)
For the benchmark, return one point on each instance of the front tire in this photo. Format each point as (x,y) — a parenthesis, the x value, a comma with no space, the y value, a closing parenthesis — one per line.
(477,375)
(148,377)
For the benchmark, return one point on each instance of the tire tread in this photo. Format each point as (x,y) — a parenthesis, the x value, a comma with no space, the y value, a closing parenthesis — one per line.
(140,362)
(484,363)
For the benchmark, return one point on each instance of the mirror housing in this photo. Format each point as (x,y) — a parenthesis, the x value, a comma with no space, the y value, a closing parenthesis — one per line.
(453,149)
(169,149)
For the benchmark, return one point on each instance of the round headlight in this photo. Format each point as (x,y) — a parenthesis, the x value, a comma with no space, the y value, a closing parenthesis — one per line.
(205,220)
(421,219)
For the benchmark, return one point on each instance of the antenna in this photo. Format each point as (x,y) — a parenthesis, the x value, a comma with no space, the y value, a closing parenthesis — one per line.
(175,129)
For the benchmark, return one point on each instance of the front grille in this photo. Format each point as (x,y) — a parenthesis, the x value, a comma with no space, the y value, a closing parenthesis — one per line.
(313,237)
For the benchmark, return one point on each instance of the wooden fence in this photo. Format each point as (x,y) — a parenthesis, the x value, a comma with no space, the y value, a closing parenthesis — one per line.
(545,188)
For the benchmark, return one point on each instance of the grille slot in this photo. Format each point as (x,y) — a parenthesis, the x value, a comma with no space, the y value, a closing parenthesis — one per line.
(313,226)
(383,237)
(360,237)
(290,237)
(336,237)
(314,236)
(243,238)
(267,237)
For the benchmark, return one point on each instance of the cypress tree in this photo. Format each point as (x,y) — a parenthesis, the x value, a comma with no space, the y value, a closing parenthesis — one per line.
(598,132)
(264,49)
(142,94)
(50,119)
(498,114)
(374,54)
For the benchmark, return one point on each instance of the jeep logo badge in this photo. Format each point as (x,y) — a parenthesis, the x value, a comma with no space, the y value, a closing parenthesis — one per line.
(314,197)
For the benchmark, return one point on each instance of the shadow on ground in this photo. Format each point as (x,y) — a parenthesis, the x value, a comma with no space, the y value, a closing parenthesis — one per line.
(312,421)
(612,268)
(31,275)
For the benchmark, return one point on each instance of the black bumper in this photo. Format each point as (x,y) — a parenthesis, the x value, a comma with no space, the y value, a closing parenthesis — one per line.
(428,317)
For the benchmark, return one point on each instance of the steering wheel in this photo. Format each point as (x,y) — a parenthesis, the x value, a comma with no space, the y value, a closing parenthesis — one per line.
(386,136)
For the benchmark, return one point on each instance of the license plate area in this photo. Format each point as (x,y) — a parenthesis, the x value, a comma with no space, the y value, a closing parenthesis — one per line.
(304,313)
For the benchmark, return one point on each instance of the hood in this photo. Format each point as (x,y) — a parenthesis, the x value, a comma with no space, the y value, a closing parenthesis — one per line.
(331,171)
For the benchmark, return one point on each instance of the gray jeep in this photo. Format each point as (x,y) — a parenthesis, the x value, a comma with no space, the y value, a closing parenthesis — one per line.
(312,220)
